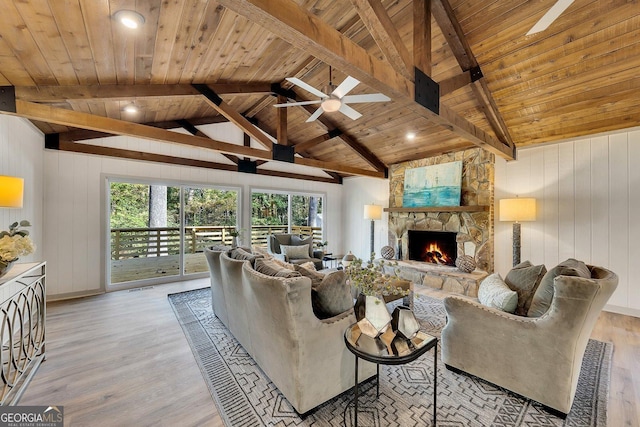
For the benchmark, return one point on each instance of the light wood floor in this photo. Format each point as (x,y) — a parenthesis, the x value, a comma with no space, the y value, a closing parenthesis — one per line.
(121,359)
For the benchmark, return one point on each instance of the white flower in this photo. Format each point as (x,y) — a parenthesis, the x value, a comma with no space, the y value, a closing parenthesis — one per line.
(13,247)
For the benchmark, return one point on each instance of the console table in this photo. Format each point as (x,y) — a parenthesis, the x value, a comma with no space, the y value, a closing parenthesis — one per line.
(22,328)
(427,342)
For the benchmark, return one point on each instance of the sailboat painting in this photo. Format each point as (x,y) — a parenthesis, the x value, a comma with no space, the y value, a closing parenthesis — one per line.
(437,185)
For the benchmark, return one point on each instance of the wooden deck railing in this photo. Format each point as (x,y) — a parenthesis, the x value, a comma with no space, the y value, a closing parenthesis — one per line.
(160,241)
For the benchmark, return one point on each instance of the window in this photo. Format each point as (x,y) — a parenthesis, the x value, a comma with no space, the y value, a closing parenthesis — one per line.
(278,212)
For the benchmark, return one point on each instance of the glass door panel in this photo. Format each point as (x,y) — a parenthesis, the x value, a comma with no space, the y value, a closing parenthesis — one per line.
(144,226)
(209,215)
(269,214)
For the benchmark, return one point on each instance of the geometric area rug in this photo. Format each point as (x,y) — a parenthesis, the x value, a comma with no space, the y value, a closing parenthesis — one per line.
(245,396)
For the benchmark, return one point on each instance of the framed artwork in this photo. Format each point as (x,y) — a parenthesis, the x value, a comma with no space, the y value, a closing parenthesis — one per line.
(437,185)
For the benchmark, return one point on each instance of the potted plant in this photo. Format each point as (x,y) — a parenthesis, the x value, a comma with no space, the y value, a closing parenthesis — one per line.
(235,233)
(14,243)
(371,285)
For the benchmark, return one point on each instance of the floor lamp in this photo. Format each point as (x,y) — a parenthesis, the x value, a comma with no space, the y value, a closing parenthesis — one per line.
(11,191)
(374,213)
(517,210)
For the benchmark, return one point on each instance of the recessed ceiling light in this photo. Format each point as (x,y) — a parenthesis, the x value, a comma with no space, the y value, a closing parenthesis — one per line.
(131,109)
(411,136)
(129,18)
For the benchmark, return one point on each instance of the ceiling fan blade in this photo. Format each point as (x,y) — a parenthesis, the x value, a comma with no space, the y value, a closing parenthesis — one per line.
(306,87)
(291,104)
(370,97)
(349,112)
(345,87)
(551,15)
(315,115)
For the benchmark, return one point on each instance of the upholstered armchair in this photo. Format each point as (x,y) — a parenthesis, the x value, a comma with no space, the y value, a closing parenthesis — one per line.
(537,357)
(283,247)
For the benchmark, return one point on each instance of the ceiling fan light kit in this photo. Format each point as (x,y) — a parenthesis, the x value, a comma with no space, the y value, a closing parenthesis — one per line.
(331,105)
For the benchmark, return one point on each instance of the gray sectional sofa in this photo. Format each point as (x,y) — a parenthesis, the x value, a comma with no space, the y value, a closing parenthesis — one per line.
(273,320)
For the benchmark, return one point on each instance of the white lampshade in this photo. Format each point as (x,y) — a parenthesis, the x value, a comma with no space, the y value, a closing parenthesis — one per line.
(518,209)
(11,191)
(372,212)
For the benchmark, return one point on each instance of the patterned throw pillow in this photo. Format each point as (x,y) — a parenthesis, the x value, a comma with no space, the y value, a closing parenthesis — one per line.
(543,296)
(241,254)
(316,278)
(271,268)
(295,252)
(524,278)
(494,293)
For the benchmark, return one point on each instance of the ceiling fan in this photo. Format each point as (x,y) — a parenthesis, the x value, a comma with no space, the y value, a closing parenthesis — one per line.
(551,15)
(334,98)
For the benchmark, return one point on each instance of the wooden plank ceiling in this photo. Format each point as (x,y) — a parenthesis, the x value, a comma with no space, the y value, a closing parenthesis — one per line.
(194,62)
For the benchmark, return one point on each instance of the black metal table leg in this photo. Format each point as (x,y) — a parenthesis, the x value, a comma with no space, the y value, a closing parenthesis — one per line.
(355,412)
(435,381)
(377,380)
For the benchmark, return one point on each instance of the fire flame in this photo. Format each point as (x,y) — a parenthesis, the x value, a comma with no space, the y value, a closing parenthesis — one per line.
(435,255)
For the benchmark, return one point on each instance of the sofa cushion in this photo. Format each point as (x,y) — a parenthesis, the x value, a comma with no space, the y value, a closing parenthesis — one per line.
(296,252)
(280,239)
(302,240)
(271,268)
(543,296)
(244,255)
(493,292)
(525,278)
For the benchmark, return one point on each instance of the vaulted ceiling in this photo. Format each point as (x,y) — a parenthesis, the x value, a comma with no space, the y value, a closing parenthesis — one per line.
(193,62)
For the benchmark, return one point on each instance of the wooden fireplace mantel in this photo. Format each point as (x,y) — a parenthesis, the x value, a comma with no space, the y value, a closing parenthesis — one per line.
(481,208)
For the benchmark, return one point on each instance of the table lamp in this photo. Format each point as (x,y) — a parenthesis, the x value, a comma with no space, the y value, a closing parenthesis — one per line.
(11,191)
(517,210)
(374,213)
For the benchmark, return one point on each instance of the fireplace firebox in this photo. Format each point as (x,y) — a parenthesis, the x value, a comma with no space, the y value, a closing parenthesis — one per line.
(436,247)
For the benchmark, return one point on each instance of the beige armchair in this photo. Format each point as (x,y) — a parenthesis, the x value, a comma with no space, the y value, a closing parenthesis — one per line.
(276,241)
(538,358)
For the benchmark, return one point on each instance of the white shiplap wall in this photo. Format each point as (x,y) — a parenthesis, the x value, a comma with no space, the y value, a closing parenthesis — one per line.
(75,212)
(588,198)
(360,191)
(21,154)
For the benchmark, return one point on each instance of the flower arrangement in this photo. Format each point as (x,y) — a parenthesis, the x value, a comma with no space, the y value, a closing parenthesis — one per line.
(15,242)
(371,280)
(235,232)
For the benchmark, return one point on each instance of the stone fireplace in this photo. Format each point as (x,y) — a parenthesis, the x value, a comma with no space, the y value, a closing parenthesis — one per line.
(471,223)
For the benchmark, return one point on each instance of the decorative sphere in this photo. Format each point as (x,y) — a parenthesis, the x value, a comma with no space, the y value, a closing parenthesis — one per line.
(387,252)
(466,263)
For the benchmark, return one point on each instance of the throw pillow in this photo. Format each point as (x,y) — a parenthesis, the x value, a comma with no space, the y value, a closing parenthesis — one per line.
(332,296)
(543,296)
(524,278)
(309,265)
(302,240)
(316,278)
(271,268)
(241,254)
(493,292)
(295,252)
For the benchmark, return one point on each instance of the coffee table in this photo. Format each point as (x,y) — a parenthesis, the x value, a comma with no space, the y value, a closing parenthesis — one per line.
(427,342)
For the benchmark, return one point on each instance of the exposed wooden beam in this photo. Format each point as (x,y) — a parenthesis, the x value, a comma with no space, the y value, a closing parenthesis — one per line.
(376,19)
(302,29)
(454,83)
(234,117)
(452,31)
(182,161)
(84,134)
(81,120)
(301,147)
(124,92)
(422,36)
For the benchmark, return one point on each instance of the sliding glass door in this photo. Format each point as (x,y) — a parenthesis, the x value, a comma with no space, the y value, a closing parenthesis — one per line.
(160,231)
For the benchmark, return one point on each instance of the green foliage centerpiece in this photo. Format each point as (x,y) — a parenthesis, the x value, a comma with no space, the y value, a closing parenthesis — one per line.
(372,284)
